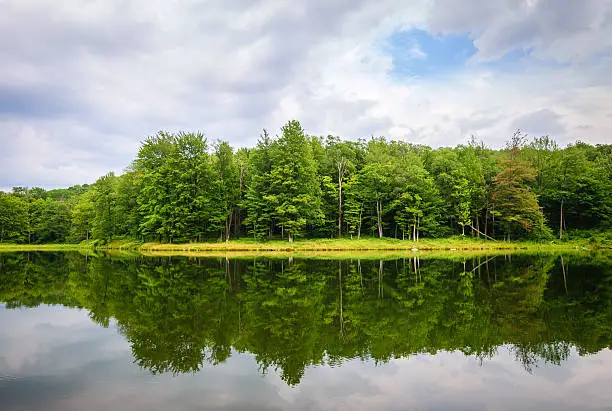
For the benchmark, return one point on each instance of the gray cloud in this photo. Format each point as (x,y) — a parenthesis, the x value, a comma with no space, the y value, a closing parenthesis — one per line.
(478,123)
(540,123)
(37,102)
(456,17)
(557,29)
(49,31)
(82,84)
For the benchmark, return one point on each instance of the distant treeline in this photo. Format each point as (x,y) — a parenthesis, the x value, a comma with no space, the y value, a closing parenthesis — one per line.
(179,188)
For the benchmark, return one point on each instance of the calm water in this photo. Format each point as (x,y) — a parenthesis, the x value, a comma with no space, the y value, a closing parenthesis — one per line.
(95,333)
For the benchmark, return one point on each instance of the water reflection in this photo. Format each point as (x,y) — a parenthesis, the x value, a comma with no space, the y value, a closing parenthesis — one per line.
(180,315)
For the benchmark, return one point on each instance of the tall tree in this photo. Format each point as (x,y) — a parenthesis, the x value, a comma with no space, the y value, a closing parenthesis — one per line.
(462,194)
(126,203)
(294,181)
(174,198)
(225,187)
(514,201)
(416,201)
(259,201)
(104,198)
(242,162)
(83,215)
(341,155)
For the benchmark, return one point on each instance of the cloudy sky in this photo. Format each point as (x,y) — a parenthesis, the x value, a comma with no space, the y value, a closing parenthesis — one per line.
(83,81)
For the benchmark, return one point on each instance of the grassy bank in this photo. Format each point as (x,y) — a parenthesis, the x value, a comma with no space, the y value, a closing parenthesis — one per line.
(327,246)
(44,247)
(365,244)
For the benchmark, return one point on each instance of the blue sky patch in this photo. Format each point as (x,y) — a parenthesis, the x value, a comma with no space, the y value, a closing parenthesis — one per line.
(419,54)
(416,53)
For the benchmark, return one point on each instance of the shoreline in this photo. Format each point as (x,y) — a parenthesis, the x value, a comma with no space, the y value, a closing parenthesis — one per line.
(367,246)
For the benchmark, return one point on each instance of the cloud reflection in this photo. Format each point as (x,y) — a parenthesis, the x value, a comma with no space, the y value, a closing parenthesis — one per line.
(55,358)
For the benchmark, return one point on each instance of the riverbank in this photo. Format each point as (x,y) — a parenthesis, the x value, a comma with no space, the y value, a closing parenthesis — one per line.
(7,247)
(369,245)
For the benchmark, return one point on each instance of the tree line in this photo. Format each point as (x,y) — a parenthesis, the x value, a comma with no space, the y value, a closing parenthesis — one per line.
(181,188)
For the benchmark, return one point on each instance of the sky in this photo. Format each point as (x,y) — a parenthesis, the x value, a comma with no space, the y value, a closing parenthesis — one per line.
(82,83)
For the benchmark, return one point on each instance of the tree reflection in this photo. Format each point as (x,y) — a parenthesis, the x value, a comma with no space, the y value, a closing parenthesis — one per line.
(181,313)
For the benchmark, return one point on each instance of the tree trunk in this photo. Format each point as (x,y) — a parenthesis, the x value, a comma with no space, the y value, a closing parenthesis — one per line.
(228,227)
(360,218)
(237,223)
(414,230)
(340,174)
(486,236)
(290,237)
(561,221)
(379,217)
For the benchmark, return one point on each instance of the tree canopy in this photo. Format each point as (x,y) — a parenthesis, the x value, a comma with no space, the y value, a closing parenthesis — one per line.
(182,187)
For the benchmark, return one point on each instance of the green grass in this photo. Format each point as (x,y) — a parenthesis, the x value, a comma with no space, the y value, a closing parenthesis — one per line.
(329,247)
(454,243)
(8,247)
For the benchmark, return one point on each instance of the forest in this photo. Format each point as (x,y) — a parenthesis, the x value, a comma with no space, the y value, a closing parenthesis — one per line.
(183,188)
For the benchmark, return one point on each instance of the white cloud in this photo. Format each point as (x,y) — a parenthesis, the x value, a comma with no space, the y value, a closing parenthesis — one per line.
(416,53)
(81,85)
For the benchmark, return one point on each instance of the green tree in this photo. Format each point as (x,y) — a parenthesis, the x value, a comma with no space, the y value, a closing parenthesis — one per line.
(416,201)
(462,195)
(513,200)
(35,219)
(83,215)
(104,204)
(225,188)
(258,199)
(126,204)
(340,158)
(13,217)
(173,171)
(294,181)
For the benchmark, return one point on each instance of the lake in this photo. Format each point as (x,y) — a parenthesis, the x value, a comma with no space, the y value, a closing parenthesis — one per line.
(505,332)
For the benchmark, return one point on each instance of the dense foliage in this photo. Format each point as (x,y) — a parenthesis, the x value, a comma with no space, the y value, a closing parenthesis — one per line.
(180,188)
(181,313)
